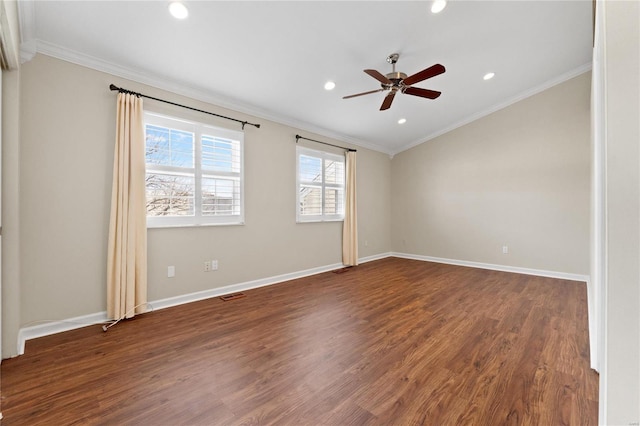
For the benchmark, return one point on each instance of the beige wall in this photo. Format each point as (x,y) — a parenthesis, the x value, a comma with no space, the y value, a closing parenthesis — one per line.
(620,382)
(518,177)
(66,152)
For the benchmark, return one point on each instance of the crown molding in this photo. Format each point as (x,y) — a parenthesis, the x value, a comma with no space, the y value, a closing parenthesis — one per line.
(204,95)
(27,17)
(521,96)
(197,93)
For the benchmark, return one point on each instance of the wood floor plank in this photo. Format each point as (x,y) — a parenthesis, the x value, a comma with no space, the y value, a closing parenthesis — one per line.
(390,342)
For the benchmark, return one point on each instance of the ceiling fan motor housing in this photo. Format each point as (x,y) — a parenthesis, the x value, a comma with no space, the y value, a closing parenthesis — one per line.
(396,77)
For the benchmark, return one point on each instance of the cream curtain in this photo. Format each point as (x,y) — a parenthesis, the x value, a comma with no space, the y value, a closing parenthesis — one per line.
(127,256)
(350,226)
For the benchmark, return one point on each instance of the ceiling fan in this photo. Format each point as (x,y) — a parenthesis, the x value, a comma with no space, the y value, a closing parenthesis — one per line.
(399,82)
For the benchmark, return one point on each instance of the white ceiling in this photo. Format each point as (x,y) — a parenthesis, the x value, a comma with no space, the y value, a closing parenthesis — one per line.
(272,58)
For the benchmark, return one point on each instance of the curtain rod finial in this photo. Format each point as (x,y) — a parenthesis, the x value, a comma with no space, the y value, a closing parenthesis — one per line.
(113,87)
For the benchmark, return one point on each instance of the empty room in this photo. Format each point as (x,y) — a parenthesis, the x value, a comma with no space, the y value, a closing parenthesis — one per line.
(320,212)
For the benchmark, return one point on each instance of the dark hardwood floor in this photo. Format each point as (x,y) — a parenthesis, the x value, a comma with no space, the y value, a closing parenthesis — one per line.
(390,342)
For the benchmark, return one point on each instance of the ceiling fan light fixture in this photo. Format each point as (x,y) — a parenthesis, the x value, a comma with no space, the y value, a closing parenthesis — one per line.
(402,121)
(329,85)
(178,10)
(489,76)
(438,6)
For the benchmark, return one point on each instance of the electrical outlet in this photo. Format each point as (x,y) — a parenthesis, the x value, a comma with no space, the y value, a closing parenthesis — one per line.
(505,249)
(214,265)
(171,271)
(207,266)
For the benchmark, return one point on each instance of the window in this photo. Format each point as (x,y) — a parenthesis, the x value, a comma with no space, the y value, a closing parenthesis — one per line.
(320,184)
(193,173)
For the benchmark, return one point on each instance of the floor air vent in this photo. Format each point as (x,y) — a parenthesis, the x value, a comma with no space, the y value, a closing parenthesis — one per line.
(342,270)
(232,296)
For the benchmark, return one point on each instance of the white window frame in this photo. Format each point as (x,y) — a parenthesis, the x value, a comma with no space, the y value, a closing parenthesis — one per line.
(300,150)
(198,129)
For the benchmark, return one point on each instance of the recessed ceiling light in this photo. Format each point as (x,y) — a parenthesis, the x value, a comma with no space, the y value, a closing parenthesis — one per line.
(489,76)
(438,6)
(402,121)
(178,10)
(329,85)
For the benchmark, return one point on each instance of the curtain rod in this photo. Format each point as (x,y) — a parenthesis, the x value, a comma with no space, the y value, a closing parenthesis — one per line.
(324,143)
(121,90)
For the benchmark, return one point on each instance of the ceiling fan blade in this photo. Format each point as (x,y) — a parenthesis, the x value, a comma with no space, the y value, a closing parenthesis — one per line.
(423,93)
(387,101)
(378,76)
(361,94)
(432,71)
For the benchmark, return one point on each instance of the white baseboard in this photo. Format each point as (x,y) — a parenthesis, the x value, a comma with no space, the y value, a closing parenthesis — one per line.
(374,257)
(235,288)
(493,267)
(518,270)
(53,327)
(248,285)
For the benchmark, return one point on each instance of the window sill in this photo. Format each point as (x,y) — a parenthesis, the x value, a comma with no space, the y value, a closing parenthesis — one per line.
(193,225)
(319,220)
